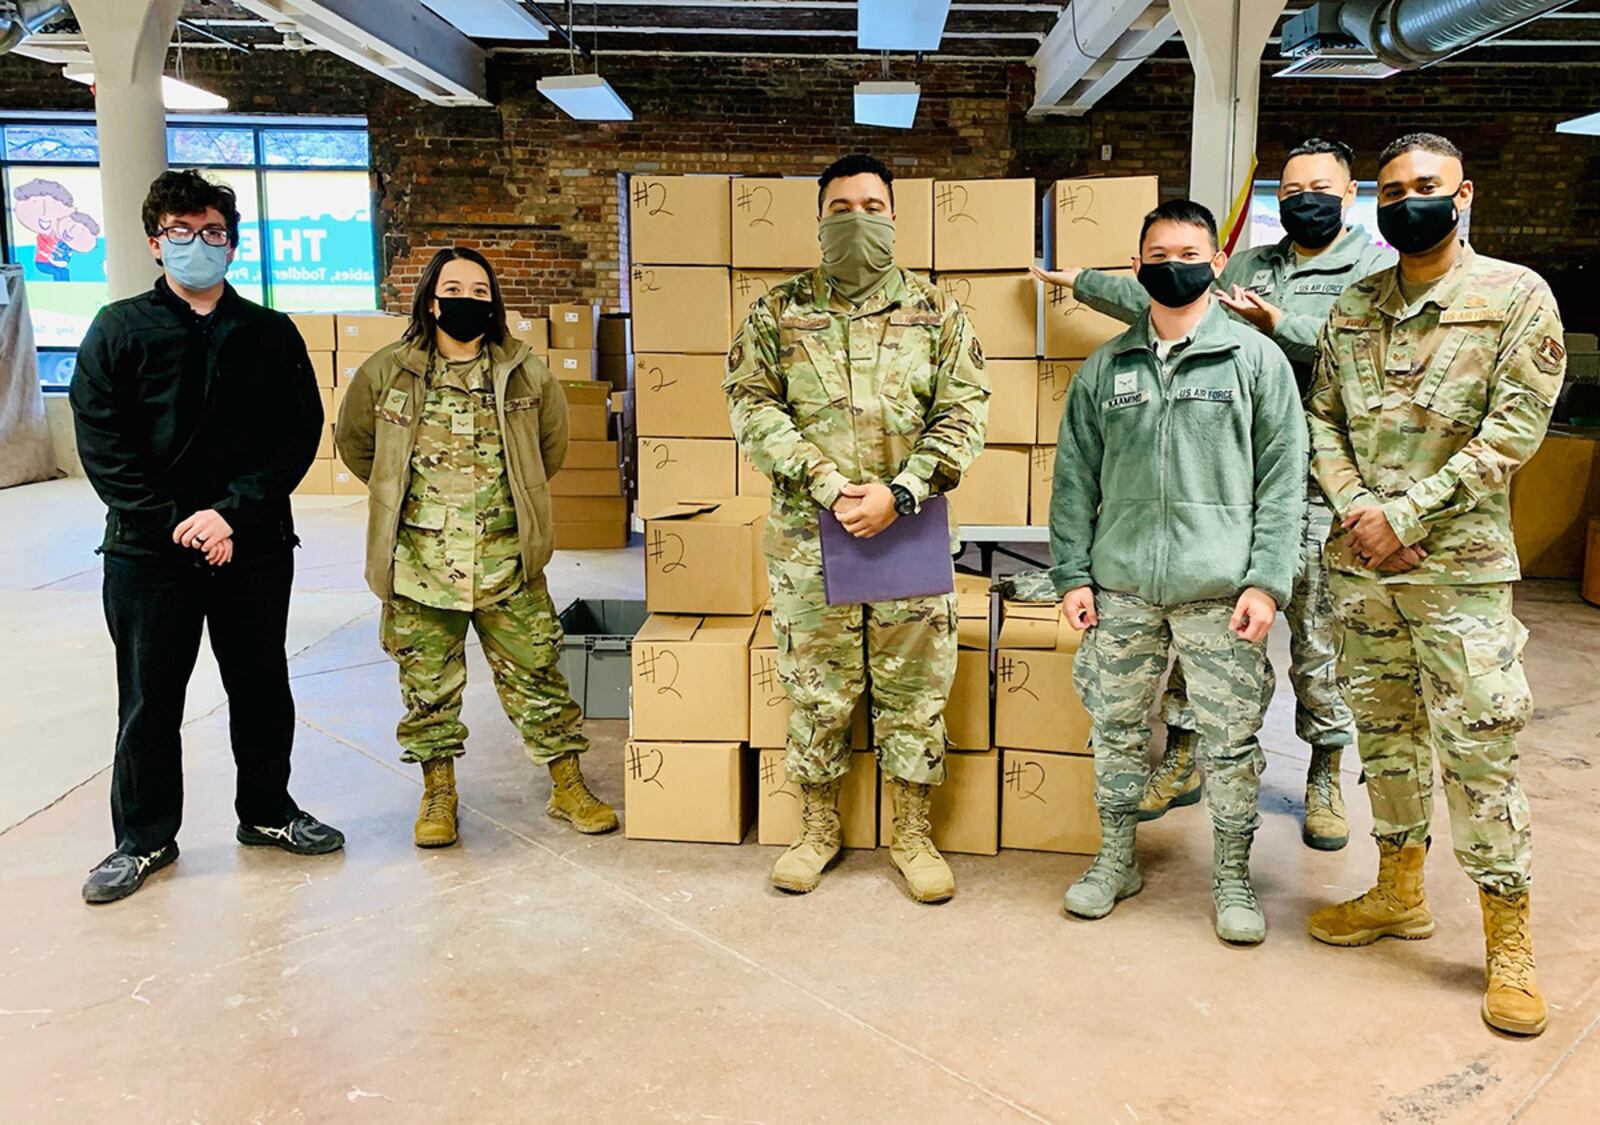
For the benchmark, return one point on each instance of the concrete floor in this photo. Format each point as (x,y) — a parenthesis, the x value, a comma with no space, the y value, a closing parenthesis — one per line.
(534,975)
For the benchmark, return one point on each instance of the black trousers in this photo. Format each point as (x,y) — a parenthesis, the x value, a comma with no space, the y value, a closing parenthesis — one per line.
(155,608)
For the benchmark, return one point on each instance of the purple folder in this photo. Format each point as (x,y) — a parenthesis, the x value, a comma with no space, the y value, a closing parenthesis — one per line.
(908,559)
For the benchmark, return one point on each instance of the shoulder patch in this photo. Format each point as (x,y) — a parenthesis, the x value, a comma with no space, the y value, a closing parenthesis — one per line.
(975,353)
(1549,355)
(736,356)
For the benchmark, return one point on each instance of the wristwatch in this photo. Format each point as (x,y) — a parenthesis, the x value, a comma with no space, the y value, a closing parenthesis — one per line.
(904,502)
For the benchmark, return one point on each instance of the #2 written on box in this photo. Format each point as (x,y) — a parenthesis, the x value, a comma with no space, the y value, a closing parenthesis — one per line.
(690,678)
(705,557)
(699,792)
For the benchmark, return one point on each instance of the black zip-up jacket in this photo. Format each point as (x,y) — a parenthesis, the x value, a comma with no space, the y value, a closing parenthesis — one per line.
(177,413)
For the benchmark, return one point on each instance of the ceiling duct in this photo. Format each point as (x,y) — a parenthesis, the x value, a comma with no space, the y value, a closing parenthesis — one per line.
(1377,38)
(22,18)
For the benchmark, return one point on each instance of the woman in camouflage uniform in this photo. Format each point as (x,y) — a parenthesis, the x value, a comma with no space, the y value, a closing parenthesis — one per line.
(457,429)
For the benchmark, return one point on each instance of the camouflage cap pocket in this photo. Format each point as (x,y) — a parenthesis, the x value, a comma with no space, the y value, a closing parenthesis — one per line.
(424,515)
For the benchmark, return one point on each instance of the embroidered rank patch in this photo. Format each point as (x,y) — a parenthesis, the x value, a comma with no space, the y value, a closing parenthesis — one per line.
(1549,355)
(395,401)
(1118,402)
(1204,394)
(736,356)
(1126,382)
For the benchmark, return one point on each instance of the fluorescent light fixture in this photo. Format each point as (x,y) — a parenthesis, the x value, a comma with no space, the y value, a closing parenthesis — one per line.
(586,97)
(901,25)
(489,19)
(890,104)
(1586,126)
(174,94)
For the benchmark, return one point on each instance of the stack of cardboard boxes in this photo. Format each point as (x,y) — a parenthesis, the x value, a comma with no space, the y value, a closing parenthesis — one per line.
(588,497)
(339,343)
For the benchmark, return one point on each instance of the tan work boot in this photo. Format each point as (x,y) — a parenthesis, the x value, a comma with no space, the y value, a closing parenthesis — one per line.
(1175,782)
(1396,906)
(1512,1000)
(571,801)
(800,868)
(928,877)
(1325,828)
(436,817)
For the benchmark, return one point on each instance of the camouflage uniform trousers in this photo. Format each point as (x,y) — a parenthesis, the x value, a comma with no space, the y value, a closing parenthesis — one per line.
(1321,715)
(1434,668)
(825,656)
(1118,671)
(522,641)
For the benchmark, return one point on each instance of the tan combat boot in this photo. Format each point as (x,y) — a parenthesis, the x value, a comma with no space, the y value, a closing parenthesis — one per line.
(436,817)
(1396,906)
(928,877)
(1512,1000)
(1175,782)
(571,801)
(1325,828)
(800,868)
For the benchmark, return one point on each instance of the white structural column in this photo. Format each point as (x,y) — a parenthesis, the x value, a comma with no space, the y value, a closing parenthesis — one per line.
(1225,39)
(128,39)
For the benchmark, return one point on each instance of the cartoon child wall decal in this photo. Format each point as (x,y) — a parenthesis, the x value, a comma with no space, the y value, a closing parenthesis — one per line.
(77,233)
(40,205)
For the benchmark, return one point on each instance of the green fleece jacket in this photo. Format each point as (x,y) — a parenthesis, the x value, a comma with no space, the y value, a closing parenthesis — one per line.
(1304,290)
(1184,486)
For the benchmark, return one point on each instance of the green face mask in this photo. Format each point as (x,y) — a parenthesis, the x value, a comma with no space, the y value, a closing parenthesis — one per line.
(857,252)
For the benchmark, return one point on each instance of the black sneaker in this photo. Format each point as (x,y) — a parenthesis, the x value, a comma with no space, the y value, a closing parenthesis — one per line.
(304,835)
(119,874)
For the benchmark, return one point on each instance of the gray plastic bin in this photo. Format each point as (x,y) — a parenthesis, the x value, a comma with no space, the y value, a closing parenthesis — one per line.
(596,656)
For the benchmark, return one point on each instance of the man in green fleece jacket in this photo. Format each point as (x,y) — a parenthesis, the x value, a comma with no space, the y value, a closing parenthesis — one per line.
(1284,291)
(1175,521)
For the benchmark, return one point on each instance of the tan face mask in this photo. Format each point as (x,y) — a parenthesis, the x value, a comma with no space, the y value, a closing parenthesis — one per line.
(857,252)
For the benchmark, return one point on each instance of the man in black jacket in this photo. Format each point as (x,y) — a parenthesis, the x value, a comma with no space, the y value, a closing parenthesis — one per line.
(197,413)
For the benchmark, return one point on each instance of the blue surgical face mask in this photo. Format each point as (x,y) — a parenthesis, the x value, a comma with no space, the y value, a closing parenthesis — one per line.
(197,266)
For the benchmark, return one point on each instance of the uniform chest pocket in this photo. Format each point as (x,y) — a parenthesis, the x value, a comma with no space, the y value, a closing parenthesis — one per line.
(909,354)
(425,515)
(813,366)
(1357,362)
(1455,384)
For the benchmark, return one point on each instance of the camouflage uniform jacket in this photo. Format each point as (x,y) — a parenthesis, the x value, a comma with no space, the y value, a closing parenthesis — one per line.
(457,547)
(823,393)
(1428,411)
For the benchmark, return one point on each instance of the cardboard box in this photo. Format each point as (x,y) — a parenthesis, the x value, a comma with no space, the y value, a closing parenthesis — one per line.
(322,365)
(691,678)
(338,399)
(1095,222)
(575,326)
(778,818)
(775,224)
(317,330)
(345,366)
(697,792)
(326,393)
(573,363)
(591,455)
(616,334)
(1055,376)
(587,482)
(588,410)
(681,396)
(1014,404)
(994,492)
(597,535)
(1036,705)
(966,723)
(1073,330)
(913,224)
(685,309)
(589,509)
(1047,803)
(972,610)
(531,330)
(615,370)
(966,808)
(983,224)
(1041,486)
(680,220)
(318,480)
(751,480)
(769,703)
(1003,309)
(368,331)
(325,443)
(346,483)
(673,469)
(1553,497)
(704,556)
(749,286)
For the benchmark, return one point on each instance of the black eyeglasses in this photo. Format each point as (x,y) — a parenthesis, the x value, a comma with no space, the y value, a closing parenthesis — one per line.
(182,236)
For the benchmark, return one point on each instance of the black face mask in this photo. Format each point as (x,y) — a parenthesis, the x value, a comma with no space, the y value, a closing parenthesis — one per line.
(1312,218)
(464,318)
(1418,223)
(1176,284)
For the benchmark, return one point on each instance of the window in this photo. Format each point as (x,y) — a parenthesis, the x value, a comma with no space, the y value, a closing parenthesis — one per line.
(305,209)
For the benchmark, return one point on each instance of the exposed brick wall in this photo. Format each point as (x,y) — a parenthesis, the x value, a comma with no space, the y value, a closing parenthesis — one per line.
(540,195)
